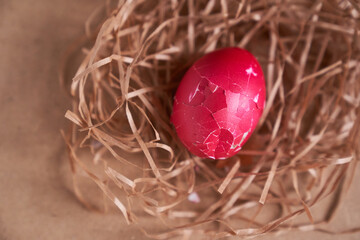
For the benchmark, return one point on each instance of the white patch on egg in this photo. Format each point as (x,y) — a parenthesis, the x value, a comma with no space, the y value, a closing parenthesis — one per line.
(243,137)
(256,98)
(250,71)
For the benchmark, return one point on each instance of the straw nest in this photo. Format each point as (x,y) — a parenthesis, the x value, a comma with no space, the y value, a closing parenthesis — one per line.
(306,144)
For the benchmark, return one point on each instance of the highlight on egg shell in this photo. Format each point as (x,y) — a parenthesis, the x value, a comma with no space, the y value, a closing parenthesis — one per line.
(219,102)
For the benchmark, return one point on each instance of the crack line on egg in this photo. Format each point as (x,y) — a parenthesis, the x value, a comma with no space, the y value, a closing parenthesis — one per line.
(200,75)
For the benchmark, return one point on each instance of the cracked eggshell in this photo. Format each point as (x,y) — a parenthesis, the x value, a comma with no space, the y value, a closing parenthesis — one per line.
(219,102)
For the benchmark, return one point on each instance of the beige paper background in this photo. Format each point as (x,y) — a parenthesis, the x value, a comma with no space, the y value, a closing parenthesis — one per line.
(35,201)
